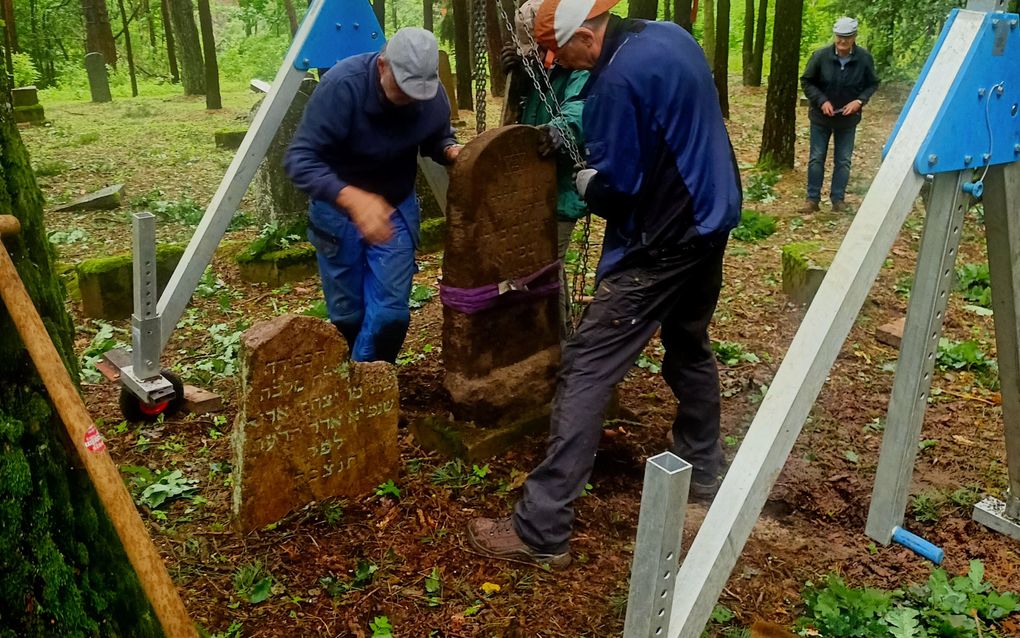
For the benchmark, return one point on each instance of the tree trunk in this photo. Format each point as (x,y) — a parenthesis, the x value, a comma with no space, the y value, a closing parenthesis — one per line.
(722,56)
(288,6)
(127,49)
(462,53)
(682,13)
(168,35)
(212,69)
(62,568)
(494,34)
(151,23)
(428,12)
(644,9)
(758,59)
(780,129)
(379,6)
(98,32)
(10,34)
(747,46)
(708,44)
(189,50)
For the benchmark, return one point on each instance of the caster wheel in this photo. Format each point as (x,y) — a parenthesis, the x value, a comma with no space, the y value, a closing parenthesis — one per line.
(134,409)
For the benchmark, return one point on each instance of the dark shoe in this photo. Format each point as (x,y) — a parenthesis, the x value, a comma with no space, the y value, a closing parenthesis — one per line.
(810,206)
(496,537)
(704,491)
(839,206)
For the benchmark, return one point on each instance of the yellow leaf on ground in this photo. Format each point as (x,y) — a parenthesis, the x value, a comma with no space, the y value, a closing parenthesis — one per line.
(490,588)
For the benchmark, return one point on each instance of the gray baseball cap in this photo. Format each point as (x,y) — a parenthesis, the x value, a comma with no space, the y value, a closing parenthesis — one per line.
(845,26)
(413,55)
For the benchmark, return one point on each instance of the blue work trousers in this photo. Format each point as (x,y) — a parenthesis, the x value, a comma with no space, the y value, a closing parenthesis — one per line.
(366,286)
(842,149)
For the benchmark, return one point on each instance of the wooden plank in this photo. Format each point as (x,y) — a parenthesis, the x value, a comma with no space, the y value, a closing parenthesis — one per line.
(786,405)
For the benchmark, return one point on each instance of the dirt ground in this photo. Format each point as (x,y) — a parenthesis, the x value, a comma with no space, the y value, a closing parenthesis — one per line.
(814,520)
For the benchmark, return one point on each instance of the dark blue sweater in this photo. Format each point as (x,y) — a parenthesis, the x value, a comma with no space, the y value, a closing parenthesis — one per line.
(654,132)
(351,134)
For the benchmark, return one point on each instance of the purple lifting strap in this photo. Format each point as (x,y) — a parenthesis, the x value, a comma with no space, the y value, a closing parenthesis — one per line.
(543,283)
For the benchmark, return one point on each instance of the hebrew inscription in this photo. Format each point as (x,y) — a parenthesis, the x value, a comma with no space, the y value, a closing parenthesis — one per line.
(312,424)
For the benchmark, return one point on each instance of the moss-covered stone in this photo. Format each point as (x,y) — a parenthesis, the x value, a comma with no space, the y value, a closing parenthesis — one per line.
(106,283)
(278,267)
(804,267)
(33,114)
(433,233)
(68,275)
(229,138)
(472,443)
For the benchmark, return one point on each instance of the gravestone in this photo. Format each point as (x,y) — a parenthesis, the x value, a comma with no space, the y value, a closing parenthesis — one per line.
(501,363)
(449,86)
(312,424)
(103,199)
(276,198)
(99,81)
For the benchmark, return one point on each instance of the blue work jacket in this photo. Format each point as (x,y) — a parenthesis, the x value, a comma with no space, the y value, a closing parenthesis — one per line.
(655,134)
(350,134)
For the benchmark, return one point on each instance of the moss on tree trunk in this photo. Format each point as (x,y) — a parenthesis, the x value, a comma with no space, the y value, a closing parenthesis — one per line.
(63,571)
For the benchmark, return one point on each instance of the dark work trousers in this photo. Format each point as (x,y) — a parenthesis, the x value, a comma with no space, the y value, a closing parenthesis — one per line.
(678,291)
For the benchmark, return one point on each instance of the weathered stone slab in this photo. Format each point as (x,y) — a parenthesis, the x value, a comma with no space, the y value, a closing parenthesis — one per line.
(449,85)
(471,442)
(500,363)
(103,199)
(99,80)
(34,114)
(260,86)
(25,96)
(804,267)
(312,424)
(275,196)
(105,283)
(891,334)
(200,401)
(229,139)
(279,266)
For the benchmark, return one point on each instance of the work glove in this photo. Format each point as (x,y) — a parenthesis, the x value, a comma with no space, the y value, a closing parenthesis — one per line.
(583,179)
(510,59)
(550,140)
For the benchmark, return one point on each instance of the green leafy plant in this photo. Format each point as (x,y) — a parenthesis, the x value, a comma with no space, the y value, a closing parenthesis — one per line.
(362,578)
(253,583)
(381,627)
(420,295)
(317,309)
(963,355)
(926,507)
(434,588)
(647,363)
(155,489)
(754,226)
(455,474)
(72,236)
(25,73)
(184,211)
(389,488)
(759,186)
(333,512)
(221,362)
(731,353)
(974,282)
(102,342)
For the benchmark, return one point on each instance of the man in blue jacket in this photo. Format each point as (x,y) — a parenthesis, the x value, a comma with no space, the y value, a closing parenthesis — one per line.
(661,171)
(355,154)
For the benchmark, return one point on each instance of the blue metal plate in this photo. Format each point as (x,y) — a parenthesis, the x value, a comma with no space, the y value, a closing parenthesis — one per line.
(979,124)
(342,29)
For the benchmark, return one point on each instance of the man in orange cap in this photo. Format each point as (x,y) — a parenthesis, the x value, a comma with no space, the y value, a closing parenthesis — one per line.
(661,171)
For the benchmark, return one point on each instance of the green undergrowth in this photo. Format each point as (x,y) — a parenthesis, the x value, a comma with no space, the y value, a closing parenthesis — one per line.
(950,607)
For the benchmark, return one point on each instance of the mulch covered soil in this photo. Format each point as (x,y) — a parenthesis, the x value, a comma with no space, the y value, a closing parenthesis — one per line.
(319,559)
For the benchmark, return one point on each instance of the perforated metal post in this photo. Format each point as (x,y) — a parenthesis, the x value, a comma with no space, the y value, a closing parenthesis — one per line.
(145,340)
(657,549)
(933,281)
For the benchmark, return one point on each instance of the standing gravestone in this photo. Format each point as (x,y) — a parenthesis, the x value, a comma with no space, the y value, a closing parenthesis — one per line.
(449,86)
(312,424)
(99,81)
(26,105)
(501,362)
(277,200)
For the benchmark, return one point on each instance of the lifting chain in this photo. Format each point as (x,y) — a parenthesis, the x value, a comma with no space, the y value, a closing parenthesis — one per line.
(481,63)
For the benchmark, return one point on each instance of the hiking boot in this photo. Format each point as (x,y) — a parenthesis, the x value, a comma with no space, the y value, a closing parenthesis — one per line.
(704,490)
(810,206)
(839,206)
(496,537)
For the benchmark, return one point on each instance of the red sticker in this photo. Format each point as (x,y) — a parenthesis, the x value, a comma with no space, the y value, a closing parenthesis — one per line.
(94,440)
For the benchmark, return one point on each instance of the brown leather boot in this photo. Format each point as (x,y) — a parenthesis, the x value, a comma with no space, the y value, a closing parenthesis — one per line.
(839,206)
(810,206)
(496,537)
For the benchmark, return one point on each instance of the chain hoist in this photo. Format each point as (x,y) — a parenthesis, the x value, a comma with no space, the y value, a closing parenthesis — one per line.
(481,63)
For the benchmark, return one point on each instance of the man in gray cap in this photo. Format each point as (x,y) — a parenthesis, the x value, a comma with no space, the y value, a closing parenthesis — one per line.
(838,81)
(355,154)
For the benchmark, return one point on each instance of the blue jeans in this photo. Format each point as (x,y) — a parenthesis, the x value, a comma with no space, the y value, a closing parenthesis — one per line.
(366,286)
(843,149)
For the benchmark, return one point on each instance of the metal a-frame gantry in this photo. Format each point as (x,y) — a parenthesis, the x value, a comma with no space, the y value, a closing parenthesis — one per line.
(331,30)
(960,126)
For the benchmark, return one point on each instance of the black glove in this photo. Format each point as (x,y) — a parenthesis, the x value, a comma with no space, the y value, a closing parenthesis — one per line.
(550,140)
(510,59)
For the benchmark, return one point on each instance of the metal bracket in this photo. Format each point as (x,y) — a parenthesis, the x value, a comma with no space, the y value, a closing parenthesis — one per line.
(145,341)
(342,28)
(149,390)
(979,124)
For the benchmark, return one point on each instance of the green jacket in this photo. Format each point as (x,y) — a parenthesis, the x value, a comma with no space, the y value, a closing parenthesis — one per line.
(567,86)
